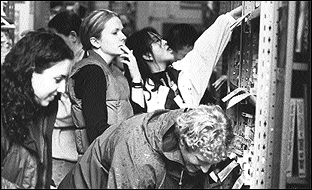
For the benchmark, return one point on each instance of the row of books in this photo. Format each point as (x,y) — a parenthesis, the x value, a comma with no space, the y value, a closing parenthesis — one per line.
(296,149)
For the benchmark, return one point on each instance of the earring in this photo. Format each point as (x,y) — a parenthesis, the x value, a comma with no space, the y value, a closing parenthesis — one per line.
(148,57)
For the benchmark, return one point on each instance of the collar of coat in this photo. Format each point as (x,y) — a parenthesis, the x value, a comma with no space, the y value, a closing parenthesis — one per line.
(43,125)
(160,126)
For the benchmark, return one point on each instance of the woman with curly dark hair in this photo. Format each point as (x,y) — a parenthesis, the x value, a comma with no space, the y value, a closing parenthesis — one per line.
(32,75)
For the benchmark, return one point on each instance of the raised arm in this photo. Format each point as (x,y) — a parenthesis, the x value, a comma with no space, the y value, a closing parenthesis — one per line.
(197,66)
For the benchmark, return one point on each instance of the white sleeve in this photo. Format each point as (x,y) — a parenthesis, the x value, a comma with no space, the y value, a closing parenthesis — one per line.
(197,66)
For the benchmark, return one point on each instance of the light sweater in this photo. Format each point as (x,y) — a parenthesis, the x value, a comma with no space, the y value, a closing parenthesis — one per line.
(197,66)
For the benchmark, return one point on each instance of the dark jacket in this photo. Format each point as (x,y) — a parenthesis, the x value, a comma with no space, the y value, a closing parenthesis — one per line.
(29,165)
(141,152)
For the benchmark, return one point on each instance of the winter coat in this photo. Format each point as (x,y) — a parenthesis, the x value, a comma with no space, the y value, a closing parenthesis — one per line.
(117,97)
(63,137)
(29,165)
(141,152)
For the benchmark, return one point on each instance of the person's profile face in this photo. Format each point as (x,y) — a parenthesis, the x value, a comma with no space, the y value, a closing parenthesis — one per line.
(161,51)
(47,84)
(195,162)
(112,37)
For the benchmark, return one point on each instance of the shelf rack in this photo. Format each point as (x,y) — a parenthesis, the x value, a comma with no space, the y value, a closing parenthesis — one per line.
(275,66)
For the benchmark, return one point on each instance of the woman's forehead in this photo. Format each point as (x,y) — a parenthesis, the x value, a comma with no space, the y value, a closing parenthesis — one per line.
(113,24)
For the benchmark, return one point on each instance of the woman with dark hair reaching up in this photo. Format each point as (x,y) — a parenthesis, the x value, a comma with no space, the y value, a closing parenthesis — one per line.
(184,82)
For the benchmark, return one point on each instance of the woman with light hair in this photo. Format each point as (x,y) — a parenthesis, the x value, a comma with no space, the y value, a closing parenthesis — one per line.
(99,92)
(166,149)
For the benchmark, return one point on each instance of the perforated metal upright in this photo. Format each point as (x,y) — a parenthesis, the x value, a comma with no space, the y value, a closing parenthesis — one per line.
(274,67)
(270,90)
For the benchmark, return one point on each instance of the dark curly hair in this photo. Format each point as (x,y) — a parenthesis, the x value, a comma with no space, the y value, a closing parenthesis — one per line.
(35,52)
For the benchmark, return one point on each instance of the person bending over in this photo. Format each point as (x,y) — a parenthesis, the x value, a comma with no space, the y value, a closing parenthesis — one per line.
(161,149)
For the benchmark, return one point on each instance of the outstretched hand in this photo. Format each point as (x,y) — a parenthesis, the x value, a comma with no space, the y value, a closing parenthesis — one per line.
(237,12)
(218,83)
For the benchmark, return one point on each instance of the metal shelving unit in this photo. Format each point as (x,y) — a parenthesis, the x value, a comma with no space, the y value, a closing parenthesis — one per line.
(275,76)
(275,66)
(266,143)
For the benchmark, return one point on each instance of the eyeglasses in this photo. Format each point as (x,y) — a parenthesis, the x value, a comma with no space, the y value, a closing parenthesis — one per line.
(156,39)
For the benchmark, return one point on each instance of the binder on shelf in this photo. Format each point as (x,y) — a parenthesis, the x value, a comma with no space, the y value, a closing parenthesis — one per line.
(301,138)
(291,138)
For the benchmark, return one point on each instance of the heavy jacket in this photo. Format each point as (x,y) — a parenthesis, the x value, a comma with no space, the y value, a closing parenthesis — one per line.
(63,137)
(117,97)
(141,152)
(29,165)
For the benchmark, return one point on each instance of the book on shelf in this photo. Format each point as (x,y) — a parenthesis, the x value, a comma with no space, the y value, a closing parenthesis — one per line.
(301,53)
(297,122)
(301,125)
(291,138)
